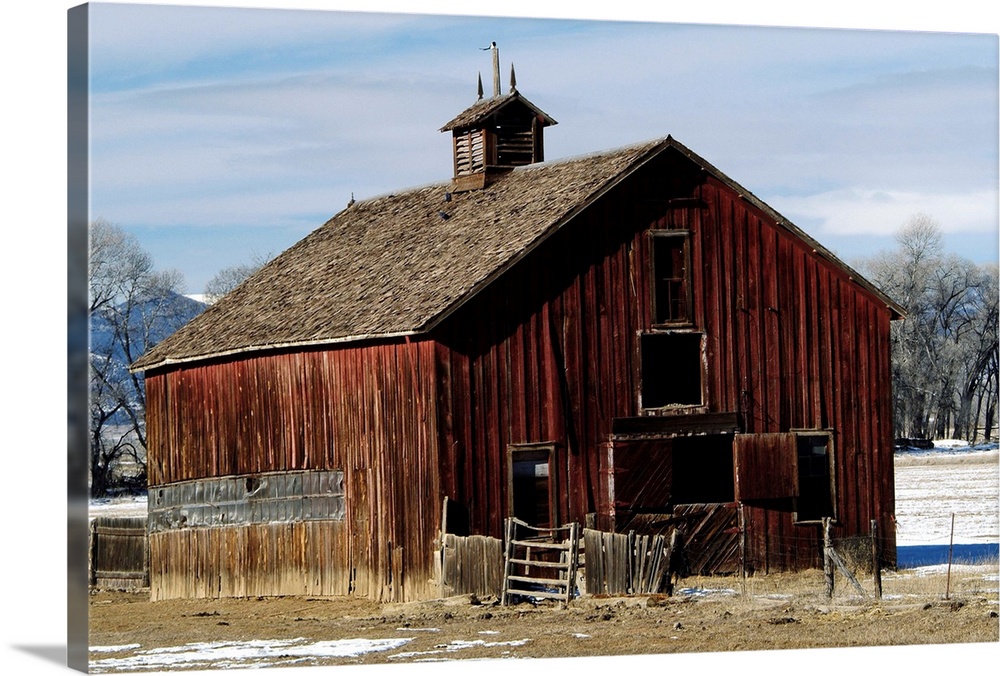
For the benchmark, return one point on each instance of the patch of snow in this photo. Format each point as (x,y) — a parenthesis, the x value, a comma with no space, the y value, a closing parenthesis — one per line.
(702,592)
(243,654)
(417,629)
(114,648)
(455,646)
(948,448)
(928,495)
(126,505)
(950,443)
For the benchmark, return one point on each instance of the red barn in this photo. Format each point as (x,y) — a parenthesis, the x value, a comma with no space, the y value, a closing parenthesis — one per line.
(629,340)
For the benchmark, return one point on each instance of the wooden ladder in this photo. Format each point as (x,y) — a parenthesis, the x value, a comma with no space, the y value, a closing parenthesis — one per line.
(526,554)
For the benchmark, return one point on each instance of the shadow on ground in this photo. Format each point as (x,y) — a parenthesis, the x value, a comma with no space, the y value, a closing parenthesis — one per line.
(913,556)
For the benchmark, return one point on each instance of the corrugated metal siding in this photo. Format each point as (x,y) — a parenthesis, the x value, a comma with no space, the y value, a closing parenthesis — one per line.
(362,411)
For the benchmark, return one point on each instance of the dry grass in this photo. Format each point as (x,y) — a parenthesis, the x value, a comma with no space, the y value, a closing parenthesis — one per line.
(925,585)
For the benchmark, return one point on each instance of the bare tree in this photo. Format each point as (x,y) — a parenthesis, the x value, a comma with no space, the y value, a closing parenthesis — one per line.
(131,307)
(229,278)
(943,352)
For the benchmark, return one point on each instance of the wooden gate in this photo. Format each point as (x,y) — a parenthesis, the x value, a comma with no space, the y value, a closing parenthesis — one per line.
(540,562)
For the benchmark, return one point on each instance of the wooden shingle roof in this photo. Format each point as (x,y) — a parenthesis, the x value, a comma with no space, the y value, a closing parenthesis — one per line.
(394,265)
(397,265)
(481,110)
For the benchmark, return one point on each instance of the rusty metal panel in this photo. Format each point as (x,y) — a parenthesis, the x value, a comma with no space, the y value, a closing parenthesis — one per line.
(247,500)
(766,466)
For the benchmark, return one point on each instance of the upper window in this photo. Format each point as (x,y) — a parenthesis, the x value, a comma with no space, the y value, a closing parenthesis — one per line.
(671,289)
(672,368)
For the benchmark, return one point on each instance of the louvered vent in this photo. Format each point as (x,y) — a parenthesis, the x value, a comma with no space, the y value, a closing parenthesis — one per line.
(470,152)
(515,144)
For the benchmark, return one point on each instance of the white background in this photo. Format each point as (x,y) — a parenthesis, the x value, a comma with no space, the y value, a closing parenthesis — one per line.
(33,41)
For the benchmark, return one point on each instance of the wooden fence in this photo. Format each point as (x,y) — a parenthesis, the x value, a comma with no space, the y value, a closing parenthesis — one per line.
(626,563)
(119,552)
(610,564)
(471,565)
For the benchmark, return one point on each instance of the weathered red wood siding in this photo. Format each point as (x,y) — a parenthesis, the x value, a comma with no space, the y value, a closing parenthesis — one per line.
(549,353)
(800,347)
(365,411)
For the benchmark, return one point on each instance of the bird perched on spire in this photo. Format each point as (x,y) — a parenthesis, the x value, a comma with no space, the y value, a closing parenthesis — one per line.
(496,67)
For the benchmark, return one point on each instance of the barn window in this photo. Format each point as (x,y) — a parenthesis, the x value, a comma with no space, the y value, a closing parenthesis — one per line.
(530,487)
(789,468)
(671,274)
(817,495)
(671,369)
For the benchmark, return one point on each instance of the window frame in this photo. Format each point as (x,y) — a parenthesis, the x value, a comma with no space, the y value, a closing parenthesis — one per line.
(831,466)
(656,320)
(702,369)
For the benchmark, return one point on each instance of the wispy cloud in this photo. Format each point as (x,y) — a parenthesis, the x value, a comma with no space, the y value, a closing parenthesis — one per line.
(221,116)
(858,211)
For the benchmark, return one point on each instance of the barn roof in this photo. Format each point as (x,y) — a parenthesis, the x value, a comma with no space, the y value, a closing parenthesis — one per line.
(484,108)
(396,265)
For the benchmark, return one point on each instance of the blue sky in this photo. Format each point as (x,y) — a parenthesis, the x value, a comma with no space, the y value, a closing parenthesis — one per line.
(221,134)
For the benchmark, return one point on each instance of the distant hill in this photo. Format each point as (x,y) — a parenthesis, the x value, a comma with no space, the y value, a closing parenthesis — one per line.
(150,320)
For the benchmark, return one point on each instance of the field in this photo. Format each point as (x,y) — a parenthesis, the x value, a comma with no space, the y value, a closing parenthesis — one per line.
(920,605)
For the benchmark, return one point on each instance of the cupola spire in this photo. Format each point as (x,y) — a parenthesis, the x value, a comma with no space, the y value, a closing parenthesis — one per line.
(495,135)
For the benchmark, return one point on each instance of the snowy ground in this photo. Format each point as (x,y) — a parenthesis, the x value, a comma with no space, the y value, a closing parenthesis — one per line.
(928,494)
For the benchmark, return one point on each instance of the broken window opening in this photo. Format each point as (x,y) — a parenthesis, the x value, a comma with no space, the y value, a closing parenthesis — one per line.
(671,369)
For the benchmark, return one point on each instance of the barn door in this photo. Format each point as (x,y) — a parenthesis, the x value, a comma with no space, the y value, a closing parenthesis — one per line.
(531,486)
(766,466)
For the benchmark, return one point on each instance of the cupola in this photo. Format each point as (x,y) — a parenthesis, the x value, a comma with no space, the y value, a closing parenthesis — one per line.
(495,135)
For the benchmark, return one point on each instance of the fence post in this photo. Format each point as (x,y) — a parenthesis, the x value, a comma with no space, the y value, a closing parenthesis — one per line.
(876,561)
(951,547)
(743,548)
(827,558)
(93,552)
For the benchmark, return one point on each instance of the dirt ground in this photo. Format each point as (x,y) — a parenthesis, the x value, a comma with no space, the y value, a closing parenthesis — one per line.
(704,614)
